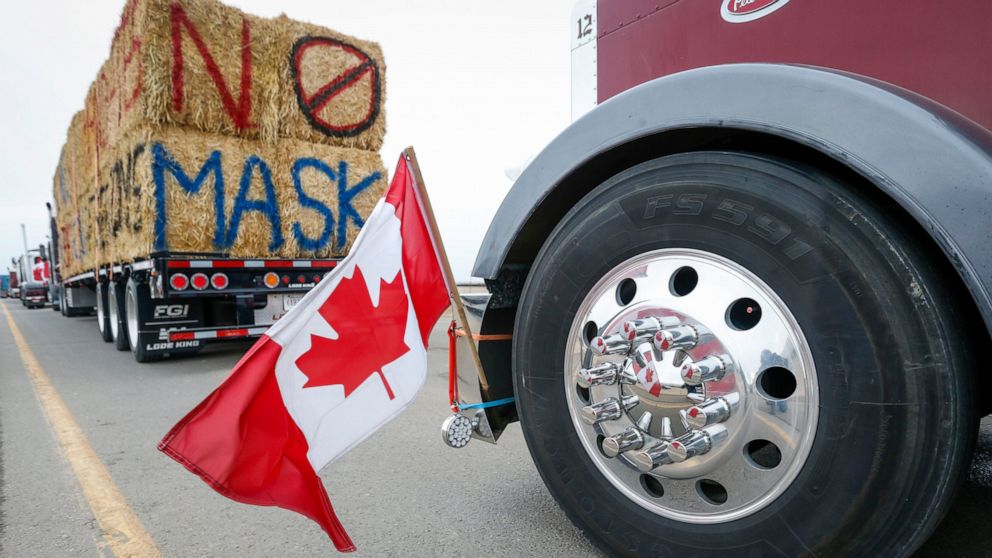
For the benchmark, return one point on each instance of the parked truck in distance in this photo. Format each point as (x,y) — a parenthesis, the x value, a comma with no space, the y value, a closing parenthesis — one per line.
(14,285)
(34,271)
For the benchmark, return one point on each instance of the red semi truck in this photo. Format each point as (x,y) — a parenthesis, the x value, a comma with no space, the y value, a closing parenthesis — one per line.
(741,301)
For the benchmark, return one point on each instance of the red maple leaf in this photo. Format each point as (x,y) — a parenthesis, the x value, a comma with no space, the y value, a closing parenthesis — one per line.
(369,337)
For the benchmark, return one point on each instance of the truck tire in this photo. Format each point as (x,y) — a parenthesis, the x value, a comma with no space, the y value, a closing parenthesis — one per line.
(820,333)
(102,315)
(136,299)
(116,316)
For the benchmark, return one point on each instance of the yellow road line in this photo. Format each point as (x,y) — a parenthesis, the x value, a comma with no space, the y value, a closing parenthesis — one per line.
(122,530)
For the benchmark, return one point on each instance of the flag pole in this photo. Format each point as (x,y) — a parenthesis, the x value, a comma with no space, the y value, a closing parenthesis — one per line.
(456,301)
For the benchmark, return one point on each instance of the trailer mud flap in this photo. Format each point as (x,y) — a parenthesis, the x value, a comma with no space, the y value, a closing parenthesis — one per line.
(162,316)
(154,345)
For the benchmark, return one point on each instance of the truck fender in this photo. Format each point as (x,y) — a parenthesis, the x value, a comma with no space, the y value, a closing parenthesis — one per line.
(934,163)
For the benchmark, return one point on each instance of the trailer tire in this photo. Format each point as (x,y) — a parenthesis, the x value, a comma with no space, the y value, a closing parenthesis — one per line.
(117,317)
(102,313)
(895,420)
(135,298)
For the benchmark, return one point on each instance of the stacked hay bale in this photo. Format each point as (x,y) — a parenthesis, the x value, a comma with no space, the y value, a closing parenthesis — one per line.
(212,131)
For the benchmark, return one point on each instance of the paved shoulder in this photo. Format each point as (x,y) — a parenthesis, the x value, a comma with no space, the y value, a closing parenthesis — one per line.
(42,510)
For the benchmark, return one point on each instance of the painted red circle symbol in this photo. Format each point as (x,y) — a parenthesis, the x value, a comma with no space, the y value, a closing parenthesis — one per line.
(313,103)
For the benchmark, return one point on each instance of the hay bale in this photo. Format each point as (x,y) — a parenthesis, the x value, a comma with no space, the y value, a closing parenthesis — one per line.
(276,200)
(336,87)
(73,176)
(194,86)
(65,204)
(202,65)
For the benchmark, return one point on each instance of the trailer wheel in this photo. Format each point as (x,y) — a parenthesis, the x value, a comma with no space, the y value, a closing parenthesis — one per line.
(102,315)
(724,354)
(117,317)
(135,298)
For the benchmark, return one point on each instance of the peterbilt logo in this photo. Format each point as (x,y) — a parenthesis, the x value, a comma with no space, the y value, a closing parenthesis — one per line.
(741,11)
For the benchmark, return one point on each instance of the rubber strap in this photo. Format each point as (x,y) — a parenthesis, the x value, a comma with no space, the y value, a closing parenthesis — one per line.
(487,337)
(487,404)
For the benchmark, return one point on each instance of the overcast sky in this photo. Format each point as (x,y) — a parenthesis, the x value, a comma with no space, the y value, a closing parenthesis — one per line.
(475,87)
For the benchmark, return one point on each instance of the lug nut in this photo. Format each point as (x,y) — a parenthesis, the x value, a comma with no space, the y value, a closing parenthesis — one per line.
(604,410)
(630,401)
(645,328)
(644,423)
(611,409)
(708,412)
(666,428)
(682,337)
(615,344)
(602,375)
(696,442)
(647,459)
(708,369)
(627,374)
(629,439)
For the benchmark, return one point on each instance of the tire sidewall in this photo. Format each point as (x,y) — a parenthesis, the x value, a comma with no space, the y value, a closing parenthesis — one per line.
(139,293)
(117,315)
(103,311)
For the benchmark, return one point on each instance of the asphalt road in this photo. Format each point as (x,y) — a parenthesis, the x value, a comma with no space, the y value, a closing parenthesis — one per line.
(401,493)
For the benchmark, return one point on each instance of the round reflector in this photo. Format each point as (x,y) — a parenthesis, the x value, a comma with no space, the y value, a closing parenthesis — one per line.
(285,279)
(271,280)
(179,281)
(219,280)
(199,281)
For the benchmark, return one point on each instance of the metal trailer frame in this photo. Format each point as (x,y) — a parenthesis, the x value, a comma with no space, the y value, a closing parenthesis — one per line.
(174,321)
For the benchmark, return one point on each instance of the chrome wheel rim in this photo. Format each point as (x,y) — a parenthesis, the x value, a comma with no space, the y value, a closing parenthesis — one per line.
(101,313)
(112,302)
(131,315)
(718,364)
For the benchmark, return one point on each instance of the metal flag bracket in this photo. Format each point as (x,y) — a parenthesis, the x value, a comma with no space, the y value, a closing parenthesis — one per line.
(469,419)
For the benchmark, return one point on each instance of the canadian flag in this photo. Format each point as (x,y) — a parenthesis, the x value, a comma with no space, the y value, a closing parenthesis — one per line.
(347,359)
(40,271)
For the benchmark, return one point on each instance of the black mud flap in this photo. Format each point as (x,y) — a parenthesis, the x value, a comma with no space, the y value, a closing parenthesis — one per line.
(158,318)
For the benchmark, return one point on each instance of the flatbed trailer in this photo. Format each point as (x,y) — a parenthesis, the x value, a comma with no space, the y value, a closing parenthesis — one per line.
(172,304)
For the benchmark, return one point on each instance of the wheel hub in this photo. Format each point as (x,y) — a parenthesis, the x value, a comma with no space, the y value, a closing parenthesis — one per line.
(691,386)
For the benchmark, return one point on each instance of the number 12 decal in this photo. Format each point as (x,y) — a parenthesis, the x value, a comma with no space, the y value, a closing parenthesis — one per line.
(585,25)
